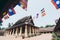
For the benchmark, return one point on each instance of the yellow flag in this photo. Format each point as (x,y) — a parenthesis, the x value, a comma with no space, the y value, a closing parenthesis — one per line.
(4,13)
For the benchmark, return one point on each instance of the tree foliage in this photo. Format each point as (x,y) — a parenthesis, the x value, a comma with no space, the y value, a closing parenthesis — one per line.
(55,37)
(41,27)
(49,26)
(9,25)
(2,28)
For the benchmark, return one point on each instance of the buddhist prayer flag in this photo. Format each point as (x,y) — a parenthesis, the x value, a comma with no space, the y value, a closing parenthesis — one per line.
(56,3)
(19,3)
(11,11)
(37,15)
(43,13)
(6,16)
(23,4)
(1,20)
(4,13)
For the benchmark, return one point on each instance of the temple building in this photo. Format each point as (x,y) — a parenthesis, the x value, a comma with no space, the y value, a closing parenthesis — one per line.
(23,28)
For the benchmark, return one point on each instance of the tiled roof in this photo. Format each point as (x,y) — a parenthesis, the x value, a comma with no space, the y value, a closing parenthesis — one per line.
(26,20)
(23,20)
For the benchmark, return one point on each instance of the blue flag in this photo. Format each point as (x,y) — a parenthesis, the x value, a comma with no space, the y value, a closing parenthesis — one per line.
(19,3)
(37,15)
(11,11)
(56,3)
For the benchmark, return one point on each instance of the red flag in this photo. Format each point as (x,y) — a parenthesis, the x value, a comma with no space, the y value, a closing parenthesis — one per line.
(43,14)
(23,4)
(1,20)
(6,16)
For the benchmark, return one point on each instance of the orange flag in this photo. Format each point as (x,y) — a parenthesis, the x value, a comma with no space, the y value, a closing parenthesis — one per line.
(43,13)
(6,16)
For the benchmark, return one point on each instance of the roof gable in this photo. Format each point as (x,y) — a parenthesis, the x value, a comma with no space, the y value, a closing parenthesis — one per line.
(25,19)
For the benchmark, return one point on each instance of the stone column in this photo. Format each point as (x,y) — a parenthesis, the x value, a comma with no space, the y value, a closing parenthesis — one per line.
(13,32)
(37,31)
(10,32)
(30,31)
(26,35)
(16,31)
(33,30)
(7,32)
(20,31)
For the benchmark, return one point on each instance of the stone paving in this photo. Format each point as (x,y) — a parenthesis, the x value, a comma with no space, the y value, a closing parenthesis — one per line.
(47,36)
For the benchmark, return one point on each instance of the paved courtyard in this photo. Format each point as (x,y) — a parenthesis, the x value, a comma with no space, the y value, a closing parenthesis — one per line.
(47,36)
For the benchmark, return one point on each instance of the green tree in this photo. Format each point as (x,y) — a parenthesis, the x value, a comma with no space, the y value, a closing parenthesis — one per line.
(0,28)
(49,26)
(55,36)
(0,24)
(41,27)
(9,25)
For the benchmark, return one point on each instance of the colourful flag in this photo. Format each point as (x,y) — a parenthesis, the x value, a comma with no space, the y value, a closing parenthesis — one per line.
(4,13)
(6,16)
(1,20)
(37,15)
(43,13)
(11,11)
(23,4)
(19,3)
(56,3)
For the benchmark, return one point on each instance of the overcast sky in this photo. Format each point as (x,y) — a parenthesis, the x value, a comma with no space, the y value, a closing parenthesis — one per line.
(34,7)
